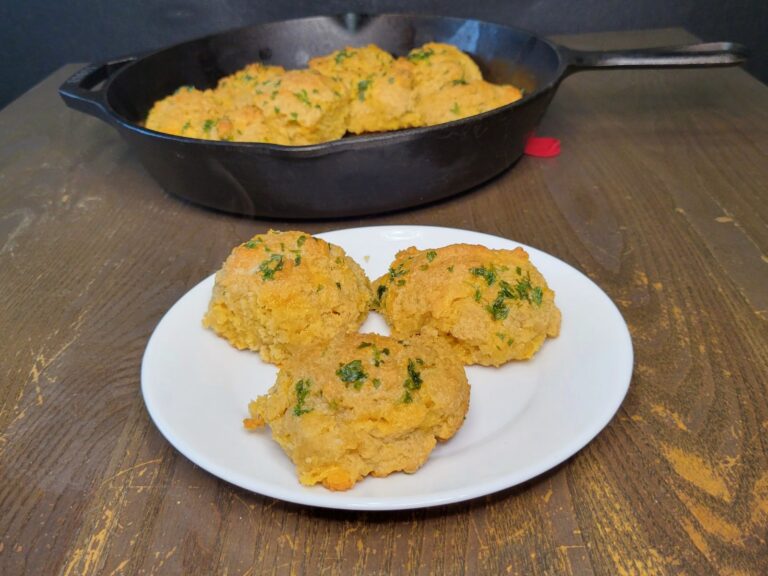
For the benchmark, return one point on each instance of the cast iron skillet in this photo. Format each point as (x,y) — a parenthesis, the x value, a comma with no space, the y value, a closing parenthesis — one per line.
(355,175)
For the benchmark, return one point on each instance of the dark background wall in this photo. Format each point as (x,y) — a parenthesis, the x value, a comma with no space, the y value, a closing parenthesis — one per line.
(39,36)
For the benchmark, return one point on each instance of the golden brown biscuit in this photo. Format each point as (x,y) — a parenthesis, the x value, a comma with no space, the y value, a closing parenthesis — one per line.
(304,107)
(463,100)
(490,306)
(187,112)
(380,88)
(365,404)
(437,66)
(283,290)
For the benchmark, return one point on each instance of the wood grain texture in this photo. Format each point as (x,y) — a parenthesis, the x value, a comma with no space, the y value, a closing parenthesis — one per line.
(660,196)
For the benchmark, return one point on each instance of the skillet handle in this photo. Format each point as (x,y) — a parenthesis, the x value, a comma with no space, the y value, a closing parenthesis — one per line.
(78,91)
(687,56)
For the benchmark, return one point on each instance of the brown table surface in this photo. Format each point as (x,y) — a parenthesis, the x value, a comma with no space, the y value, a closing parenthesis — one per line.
(660,195)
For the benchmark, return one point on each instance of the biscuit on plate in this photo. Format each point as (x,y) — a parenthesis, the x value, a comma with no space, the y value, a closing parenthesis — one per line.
(282,291)
(363,405)
(490,306)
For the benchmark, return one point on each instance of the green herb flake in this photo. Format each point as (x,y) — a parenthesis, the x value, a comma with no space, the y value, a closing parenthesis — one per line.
(420,55)
(391,80)
(352,373)
(414,380)
(338,285)
(459,82)
(395,273)
(343,55)
(302,391)
(400,282)
(270,266)
(297,259)
(300,240)
(450,268)
(455,109)
(489,274)
(478,295)
(254,242)
(294,116)
(431,255)
(362,86)
(376,382)
(424,267)
(277,109)
(364,345)
(208,125)
(499,310)
(377,354)
(536,295)
(187,126)
(303,97)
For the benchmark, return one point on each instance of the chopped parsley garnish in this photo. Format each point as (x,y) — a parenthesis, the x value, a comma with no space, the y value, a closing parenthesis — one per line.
(254,242)
(459,82)
(297,259)
(270,266)
(522,290)
(343,55)
(352,373)
(300,241)
(414,380)
(186,126)
(431,255)
(478,295)
(455,108)
(376,352)
(376,382)
(499,310)
(421,54)
(302,391)
(489,274)
(277,109)
(450,268)
(362,86)
(536,295)
(303,97)
(397,272)
(294,116)
(208,125)
(380,291)
(424,267)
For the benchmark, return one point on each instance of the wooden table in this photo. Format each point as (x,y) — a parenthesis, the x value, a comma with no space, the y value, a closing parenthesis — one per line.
(660,196)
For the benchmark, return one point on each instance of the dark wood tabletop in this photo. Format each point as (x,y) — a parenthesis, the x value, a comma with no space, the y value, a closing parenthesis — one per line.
(660,196)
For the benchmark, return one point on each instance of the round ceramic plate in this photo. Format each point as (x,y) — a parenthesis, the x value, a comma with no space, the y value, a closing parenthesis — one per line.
(524,418)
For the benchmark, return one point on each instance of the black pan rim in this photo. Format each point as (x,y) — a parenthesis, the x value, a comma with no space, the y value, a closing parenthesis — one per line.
(346,142)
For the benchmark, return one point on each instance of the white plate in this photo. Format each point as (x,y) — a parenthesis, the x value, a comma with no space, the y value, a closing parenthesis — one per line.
(524,418)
